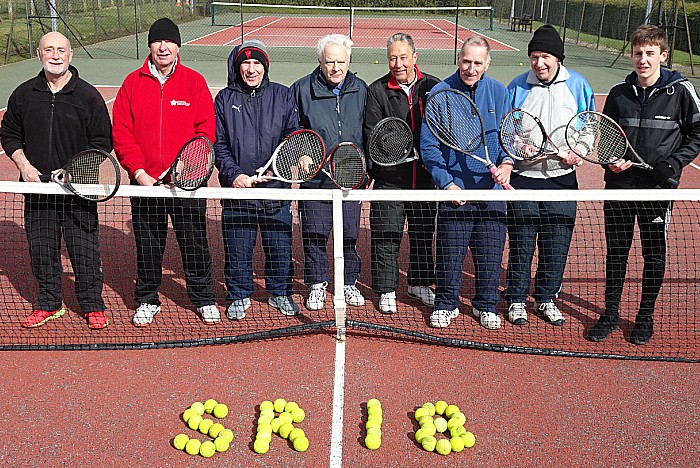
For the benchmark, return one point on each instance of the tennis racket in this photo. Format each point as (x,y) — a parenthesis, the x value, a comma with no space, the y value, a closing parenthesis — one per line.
(456,122)
(523,136)
(192,167)
(91,174)
(391,142)
(297,159)
(597,138)
(346,166)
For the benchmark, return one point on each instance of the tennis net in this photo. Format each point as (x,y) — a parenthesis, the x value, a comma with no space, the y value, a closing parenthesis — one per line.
(581,299)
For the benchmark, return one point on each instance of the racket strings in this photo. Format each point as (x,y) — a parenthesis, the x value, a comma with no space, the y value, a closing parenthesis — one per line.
(93,175)
(390,142)
(193,166)
(598,140)
(456,121)
(522,135)
(346,166)
(300,157)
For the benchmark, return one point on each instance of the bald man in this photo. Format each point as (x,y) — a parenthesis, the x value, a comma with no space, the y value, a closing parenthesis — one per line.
(49,119)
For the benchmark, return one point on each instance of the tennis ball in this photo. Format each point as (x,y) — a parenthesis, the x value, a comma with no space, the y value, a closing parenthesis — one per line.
(440,407)
(205,425)
(180,441)
(215,430)
(267,405)
(290,406)
(266,418)
(373,442)
(376,62)
(457,444)
(298,415)
(220,411)
(221,445)
(458,418)
(421,412)
(275,424)
(198,407)
(264,427)
(296,433)
(209,405)
(264,435)
(374,431)
(430,407)
(372,423)
(375,417)
(285,430)
(443,447)
(207,449)
(226,434)
(279,404)
(450,410)
(426,420)
(301,444)
(187,414)
(421,434)
(440,424)
(373,402)
(457,431)
(521,64)
(194,421)
(376,409)
(428,443)
(469,439)
(430,428)
(261,446)
(192,446)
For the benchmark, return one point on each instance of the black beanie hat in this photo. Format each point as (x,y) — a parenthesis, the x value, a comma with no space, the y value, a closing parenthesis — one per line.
(547,39)
(164,28)
(252,49)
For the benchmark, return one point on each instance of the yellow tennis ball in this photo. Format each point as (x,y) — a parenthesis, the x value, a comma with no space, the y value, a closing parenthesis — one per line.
(428,443)
(430,407)
(376,62)
(266,418)
(192,446)
(520,64)
(376,409)
(194,421)
(421,434)
(198,407)
(209,405)
(205,425)
(290,406)
(457,444)
(261,446)
(430,428)
(216,429)
(459,416)
(373,442)
(275,424)
(440,424)
(375,417)
(469,439)
(457,431)
(264,435)
(220,411)
(221,445)
(226,434)
(426,420)
(279,404)
(187,414)
(450,410)
(443,447)
(440,407)
(285,430)
(301,444)
(457,419)
(298,415)
(421,413)
(267,405)
(374,431)
(372,423)
(286,417)
(179,441)
(264,427)
(373,402)
(207,449)
(296,433)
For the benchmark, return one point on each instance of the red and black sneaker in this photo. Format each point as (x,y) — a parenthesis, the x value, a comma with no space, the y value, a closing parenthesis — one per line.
(97,320)
(40,317)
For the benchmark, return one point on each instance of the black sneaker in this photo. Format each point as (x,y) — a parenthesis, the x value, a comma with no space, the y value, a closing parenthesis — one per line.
(601,330)
(642,331)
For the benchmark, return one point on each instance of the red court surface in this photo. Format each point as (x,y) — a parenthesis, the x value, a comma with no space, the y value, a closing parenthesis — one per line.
(276,31)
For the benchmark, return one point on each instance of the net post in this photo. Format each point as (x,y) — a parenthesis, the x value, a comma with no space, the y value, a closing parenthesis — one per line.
(240,4)
(339,304)
(456,31)
(211,6)
(491,17)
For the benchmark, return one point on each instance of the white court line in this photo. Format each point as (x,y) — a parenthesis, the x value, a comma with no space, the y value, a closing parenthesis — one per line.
(491,40)
(336,459)
(238,26)
(255,30)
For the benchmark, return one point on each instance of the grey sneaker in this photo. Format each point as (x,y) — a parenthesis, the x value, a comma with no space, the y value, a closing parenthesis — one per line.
(285,304)
(387,303)
(517,313)
(210,314)
(144,314)
(488,320)
(551,313)
(317,296)
(236,311)
(423,294)
(441,318)
(353,296)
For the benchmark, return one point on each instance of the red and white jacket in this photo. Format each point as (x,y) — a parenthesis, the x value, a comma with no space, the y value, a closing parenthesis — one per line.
(152,122)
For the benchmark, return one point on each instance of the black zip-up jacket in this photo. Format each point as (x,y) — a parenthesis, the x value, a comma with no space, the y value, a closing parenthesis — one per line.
(662,124)
(335,118)
(385,98)
(52,128)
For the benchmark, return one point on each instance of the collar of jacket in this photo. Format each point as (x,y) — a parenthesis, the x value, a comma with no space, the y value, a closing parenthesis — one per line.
(320,85)
(41,84)
(393,84)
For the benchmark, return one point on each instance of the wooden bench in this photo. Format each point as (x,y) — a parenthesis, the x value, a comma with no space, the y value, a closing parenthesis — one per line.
(521,23)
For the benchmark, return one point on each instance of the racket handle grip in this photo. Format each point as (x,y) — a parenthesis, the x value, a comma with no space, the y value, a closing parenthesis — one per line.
(45,177)
(492,169)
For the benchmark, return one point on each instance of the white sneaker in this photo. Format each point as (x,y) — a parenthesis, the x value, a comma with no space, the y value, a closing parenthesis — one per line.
(144,314)
(285,304)
(387,303)
(353,296)
(551,313)
(423,294)
(488,320)
(517,313)
(317,296)
(441,318)
(236,311)
(210,314)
